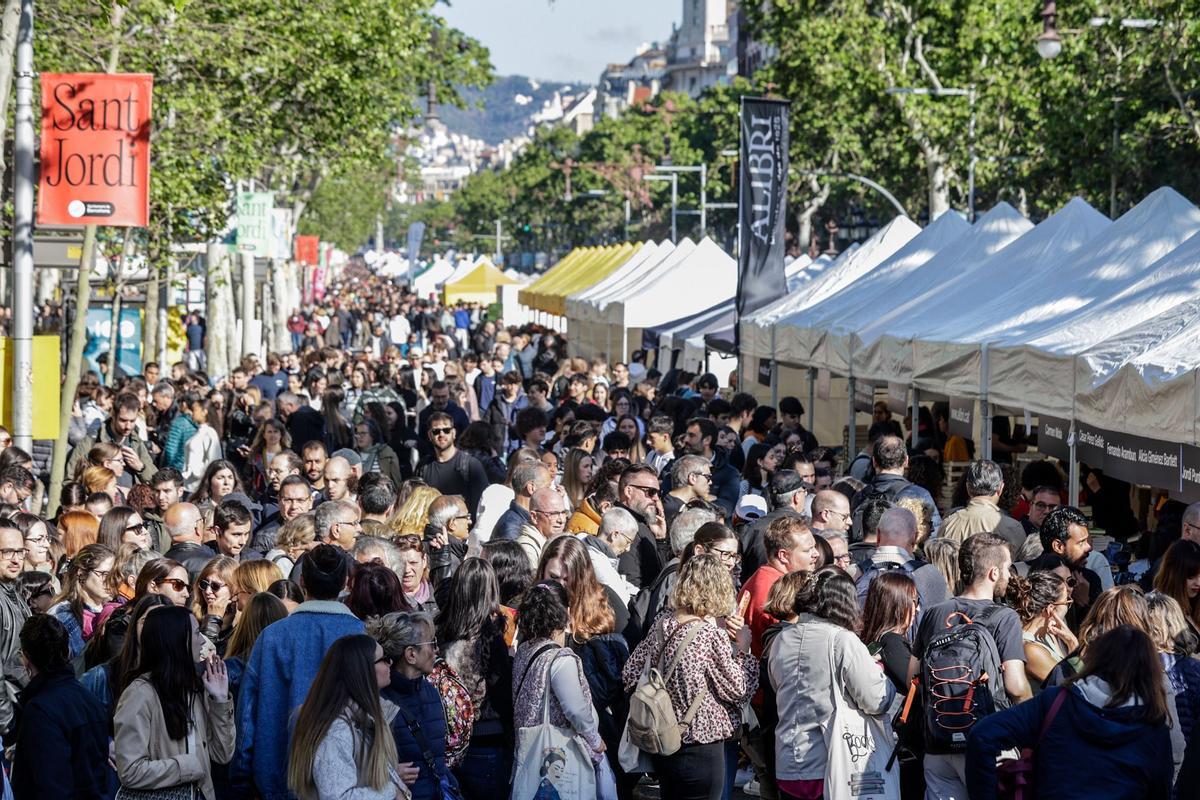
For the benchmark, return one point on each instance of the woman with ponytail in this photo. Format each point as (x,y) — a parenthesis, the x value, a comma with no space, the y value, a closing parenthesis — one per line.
(1041,601)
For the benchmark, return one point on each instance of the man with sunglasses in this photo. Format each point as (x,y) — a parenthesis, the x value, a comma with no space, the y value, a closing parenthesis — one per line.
(450,470)
(698,441)
(641,496)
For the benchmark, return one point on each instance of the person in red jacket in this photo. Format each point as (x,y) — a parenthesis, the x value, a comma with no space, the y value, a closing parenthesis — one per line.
(790,548)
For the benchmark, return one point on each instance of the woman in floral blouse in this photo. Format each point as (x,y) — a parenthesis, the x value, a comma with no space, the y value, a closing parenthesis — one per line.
(716,672)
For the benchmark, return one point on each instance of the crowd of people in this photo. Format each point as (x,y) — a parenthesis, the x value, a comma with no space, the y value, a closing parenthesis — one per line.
(427,555)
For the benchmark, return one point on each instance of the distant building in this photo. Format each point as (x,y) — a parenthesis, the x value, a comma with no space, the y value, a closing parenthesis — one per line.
(622,86)
(701,53)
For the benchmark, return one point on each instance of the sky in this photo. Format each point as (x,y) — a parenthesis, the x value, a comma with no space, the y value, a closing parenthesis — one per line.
(563,40)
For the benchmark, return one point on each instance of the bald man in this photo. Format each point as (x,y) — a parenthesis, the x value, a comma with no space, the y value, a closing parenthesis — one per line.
(830,512)
(548,510)
(897,535)
(337,480)
(184,523)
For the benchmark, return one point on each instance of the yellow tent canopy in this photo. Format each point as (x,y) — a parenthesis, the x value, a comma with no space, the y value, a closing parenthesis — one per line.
(527,295)
(550,292)
(477,286)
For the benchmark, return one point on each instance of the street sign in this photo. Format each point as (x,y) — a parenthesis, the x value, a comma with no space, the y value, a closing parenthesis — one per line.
(95,152)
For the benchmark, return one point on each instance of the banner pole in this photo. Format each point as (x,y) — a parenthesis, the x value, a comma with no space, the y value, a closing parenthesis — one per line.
(22,256)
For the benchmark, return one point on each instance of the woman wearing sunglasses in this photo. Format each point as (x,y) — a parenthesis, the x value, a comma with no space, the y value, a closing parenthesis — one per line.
(212,601)
(121,525)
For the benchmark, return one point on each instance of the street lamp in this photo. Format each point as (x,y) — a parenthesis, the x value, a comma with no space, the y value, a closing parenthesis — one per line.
(1049,44)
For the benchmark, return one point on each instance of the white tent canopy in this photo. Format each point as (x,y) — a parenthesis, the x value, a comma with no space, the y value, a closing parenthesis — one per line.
(819,335)
(756,329)
(687,283)
(1021,374)
(882,346)
(427,282)
(953,368)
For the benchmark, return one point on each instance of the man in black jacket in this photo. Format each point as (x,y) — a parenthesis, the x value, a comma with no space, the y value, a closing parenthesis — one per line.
(62,729)
(304,423)
(640,496)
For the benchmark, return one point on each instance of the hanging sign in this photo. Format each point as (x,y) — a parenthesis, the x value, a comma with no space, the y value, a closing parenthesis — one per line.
(254,222)
(1140,460)
(864,396)
(1052,437)
(764,371)
(962,417)
(95,151)
(1089,445)
(307,249)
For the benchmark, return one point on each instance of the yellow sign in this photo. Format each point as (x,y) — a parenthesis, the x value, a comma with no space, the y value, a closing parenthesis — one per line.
(47,387)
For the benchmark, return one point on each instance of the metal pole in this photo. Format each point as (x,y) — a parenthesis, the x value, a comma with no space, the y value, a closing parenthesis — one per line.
(985,407)
(1072,469)
(22,257)
(247,303)
(851,445)
(812,393)
(971,155)
(499,249)
(916,415)
(674,203)
(703,200)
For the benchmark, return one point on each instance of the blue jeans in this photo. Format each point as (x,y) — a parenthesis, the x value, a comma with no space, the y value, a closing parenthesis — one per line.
(732,748)
(485,773)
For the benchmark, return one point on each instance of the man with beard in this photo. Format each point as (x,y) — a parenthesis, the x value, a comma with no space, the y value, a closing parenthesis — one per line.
(450,470)
(13,613)
(984,560)
(1064,534)
(641,496)
(698,441)
(315,456)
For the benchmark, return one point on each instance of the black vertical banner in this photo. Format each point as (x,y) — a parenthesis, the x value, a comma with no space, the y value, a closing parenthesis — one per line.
(762,203)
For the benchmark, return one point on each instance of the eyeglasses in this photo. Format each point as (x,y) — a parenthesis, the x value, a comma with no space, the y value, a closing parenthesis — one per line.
(650,491)
(177,584)
(706,475)
(8,554)
(206,585)
(728,556)
(140,528)
(467,517)
(562,513)
(37,540)
(383,660)
(844,558)
(421,644)
(441,431)
(102,574)
(1040,506)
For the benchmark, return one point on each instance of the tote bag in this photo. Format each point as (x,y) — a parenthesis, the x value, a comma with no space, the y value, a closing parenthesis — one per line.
(859,747)
(552,763)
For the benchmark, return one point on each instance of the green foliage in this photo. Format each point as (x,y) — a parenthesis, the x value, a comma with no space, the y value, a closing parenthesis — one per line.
(288,92)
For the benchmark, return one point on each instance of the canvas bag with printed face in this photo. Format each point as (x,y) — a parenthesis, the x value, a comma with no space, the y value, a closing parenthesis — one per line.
(556,757)
(859,747)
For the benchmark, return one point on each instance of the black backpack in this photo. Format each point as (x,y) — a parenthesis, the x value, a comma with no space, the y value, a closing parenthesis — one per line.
(961,680)
(645,606)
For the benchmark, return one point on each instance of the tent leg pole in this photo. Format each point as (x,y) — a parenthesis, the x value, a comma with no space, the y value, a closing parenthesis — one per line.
(851,445)
(985,407)
(1073,470)
(916,416)
(812,395)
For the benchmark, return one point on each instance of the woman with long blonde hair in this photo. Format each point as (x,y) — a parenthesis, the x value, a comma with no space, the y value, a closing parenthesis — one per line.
(343,744)
(413,516)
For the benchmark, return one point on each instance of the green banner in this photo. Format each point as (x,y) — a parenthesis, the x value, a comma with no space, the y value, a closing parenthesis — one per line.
(254,222)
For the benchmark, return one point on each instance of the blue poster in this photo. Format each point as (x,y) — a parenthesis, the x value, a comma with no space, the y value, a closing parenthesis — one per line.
(129,339)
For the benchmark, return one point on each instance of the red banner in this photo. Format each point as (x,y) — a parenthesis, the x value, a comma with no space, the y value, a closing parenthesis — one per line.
(95,155)
(308,249)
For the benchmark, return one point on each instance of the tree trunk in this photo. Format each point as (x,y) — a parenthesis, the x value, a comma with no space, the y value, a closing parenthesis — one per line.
(281,296)
(150,318)
(8,48)
(233,346)
(114,328)
(74,365)
(939,184)
(218,323)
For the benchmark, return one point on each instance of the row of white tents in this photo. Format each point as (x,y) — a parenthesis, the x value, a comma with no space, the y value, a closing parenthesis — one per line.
(1077,318)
